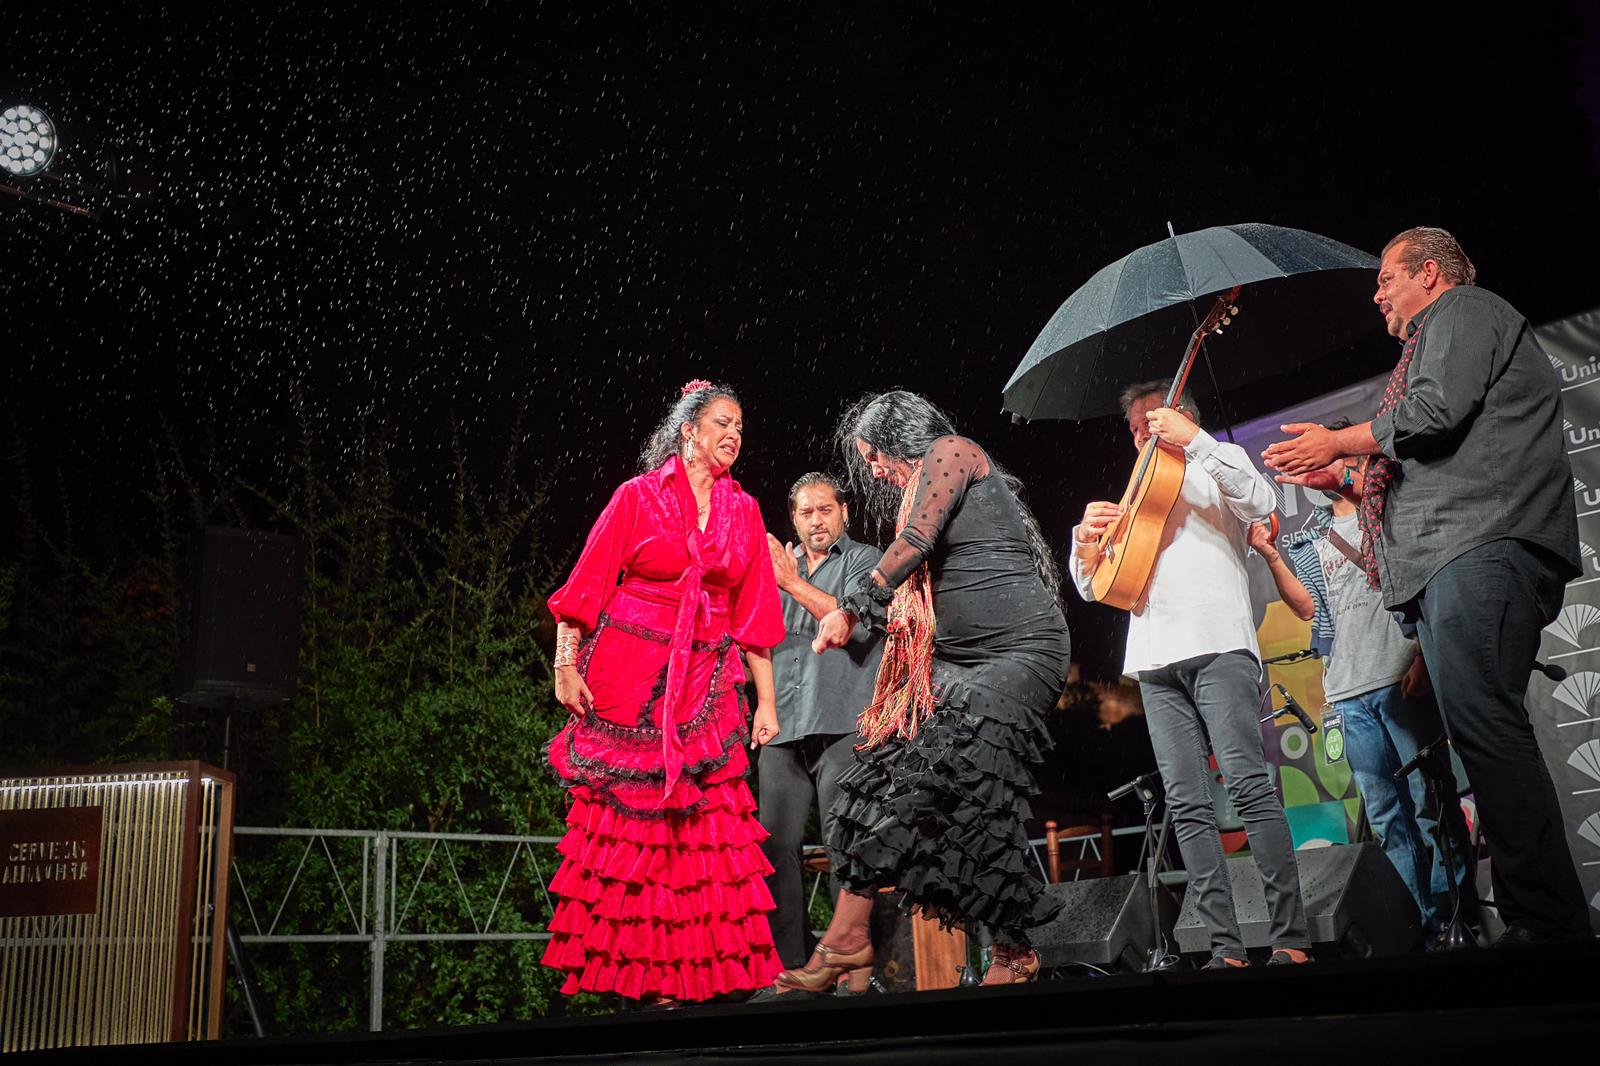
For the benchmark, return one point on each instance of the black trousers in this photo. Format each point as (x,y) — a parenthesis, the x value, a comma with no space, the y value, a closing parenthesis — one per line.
(791,778)
(1478,621)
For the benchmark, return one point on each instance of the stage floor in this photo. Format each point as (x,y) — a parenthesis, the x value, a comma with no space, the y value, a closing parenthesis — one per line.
(1514,1005)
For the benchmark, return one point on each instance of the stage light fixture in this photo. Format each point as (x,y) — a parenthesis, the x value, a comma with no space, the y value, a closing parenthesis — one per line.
(28,139)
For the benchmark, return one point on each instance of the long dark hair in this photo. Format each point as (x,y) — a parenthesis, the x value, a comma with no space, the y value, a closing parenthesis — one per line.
(666,440)
(902,425)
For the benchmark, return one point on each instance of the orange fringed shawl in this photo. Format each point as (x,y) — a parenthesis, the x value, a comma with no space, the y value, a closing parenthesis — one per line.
(903,696)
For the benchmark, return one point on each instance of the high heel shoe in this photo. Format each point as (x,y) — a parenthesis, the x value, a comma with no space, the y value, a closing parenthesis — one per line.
(1021,968)
(831,965)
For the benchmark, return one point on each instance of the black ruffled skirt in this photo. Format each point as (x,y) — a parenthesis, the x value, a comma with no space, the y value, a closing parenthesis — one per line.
(943,816)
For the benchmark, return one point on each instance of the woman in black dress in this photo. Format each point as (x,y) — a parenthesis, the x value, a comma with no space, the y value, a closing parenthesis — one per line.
(976,651)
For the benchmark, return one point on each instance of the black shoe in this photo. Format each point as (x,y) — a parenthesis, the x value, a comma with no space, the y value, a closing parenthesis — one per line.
(772,995)
(1283,958)
(1220,962)
(1517,935)
(874,986)
(653,1006)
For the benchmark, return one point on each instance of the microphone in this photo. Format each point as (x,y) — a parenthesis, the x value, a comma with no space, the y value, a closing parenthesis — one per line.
(1141,784)
(1290,706)
(1551,670)
(1292,657)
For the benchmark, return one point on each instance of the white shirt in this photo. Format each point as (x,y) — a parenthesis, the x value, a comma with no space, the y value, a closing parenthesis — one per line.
(1198,599)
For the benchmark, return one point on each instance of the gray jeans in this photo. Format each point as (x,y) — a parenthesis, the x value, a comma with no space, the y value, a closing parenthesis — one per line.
(1216,696)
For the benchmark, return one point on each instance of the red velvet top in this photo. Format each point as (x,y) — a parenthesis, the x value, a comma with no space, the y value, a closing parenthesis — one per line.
(647,537)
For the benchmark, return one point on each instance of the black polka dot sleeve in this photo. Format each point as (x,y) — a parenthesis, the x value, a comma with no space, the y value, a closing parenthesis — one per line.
(951,465)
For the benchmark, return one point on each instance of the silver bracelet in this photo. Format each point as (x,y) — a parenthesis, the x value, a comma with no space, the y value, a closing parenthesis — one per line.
(566,651)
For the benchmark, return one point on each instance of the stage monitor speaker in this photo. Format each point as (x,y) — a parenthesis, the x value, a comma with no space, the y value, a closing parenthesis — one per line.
(241,640)
(1354,900)
(1103,922)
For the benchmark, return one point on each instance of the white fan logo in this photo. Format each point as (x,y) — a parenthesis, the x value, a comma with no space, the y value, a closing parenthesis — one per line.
(1577,691)
(1574,619)
(1585,759)
(1590,829)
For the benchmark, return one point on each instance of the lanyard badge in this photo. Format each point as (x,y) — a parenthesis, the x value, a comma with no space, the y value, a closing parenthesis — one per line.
(1332,734)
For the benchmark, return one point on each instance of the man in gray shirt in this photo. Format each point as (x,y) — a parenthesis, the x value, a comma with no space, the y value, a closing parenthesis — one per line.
(819,696)
(1469,528)
(1375,679)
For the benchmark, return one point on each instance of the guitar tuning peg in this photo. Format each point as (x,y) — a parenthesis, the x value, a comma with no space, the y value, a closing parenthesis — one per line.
(1232,309)
(1226,320)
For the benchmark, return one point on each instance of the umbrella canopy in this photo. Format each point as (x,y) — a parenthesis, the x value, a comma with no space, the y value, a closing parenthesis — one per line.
(1304,296)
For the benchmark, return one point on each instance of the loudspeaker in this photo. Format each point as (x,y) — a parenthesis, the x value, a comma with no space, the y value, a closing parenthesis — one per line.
(1104,922)
(914,954)
(1354,900)
(241,640)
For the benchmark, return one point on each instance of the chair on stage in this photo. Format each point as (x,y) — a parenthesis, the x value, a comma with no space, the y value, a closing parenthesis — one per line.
(1094,858)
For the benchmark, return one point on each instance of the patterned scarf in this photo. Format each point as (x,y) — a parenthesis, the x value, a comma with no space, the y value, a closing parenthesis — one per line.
(1382,470)
(903,695)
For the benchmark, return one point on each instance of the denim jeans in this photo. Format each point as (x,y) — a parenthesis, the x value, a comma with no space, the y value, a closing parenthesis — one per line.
(1382,732)
(1215,698)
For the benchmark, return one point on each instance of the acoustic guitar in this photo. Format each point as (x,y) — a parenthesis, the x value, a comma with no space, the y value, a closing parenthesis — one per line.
(1130,545)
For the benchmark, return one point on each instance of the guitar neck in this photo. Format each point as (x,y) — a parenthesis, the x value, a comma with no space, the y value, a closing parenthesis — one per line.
(1179,381)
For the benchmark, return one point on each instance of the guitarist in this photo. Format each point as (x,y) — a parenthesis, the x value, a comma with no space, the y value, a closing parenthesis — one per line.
(1192,648)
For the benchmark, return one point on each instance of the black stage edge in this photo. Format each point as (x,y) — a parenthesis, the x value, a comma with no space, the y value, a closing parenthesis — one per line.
(1486,1005)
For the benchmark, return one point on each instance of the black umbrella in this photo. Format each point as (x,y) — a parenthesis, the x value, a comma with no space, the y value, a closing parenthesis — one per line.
(1304,296)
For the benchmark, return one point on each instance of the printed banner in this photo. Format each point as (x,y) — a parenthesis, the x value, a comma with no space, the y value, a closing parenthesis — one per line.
(1319,794)
(49,861)
(1564,713)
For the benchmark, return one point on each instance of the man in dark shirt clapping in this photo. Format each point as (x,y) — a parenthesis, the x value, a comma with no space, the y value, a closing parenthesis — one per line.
(819,696)
(1468,526)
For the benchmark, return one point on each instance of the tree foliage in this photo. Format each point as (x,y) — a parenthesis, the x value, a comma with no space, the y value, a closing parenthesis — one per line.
(423,702)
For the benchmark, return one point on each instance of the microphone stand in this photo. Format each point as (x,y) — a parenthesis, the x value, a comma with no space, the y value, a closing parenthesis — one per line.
(1431,760)
(1147,786)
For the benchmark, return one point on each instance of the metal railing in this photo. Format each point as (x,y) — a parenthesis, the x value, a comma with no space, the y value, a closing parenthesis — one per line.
(376,906)
(380,911)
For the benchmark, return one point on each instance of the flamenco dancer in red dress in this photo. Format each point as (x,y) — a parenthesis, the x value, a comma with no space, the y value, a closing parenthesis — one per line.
(662,887)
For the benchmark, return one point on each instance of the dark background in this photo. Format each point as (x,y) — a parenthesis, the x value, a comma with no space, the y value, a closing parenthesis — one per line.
(413,218)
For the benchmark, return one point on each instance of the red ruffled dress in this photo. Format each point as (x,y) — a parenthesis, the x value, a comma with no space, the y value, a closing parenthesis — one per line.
(662,882)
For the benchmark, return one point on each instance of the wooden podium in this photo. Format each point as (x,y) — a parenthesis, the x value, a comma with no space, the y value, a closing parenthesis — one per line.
(113,905)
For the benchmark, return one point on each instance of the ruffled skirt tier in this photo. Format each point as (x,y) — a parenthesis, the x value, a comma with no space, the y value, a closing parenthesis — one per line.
(942,816)
(659,895)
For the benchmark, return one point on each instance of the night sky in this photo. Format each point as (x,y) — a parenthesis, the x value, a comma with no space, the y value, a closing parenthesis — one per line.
(408,213)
